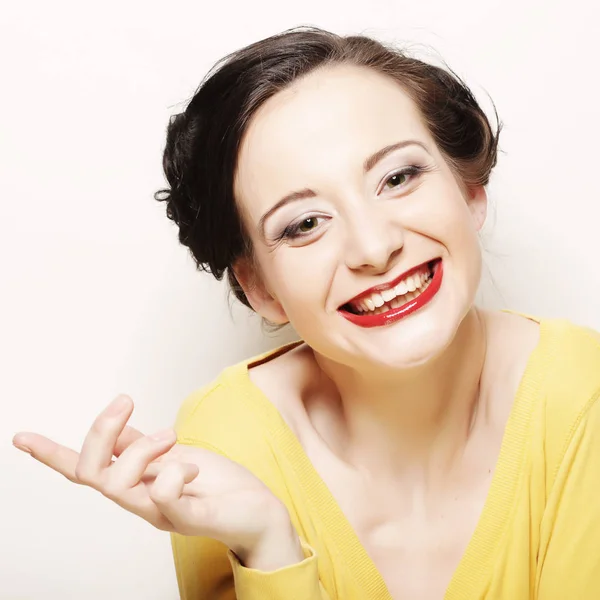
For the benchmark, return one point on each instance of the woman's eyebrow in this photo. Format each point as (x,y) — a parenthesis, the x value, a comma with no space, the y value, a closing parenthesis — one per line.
(381,154)
(369,163)
(287,199)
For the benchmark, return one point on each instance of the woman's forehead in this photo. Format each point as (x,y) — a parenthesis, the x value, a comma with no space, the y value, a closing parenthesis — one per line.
(331,104)
(330,119)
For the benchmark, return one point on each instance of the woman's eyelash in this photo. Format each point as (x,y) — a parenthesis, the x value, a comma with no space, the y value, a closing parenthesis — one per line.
(411,171)
(292,231)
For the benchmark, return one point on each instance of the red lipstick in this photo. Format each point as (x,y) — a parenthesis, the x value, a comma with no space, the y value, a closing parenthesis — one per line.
(395,314)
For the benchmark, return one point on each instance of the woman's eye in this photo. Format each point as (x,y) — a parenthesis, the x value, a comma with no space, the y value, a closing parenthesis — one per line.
(301,228)
(401,178)
(395,180)
(308,224)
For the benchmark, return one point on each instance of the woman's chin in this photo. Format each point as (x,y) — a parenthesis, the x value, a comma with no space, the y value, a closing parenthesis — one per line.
(406,345)
(406,359)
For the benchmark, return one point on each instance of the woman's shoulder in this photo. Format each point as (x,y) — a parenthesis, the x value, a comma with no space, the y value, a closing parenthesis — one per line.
(230,413)
(570,356)
(564,374)
(558,389)
(565,352)
(552,364)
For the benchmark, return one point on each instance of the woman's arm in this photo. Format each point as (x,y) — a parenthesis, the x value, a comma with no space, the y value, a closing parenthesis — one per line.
(208,570)
(192,492)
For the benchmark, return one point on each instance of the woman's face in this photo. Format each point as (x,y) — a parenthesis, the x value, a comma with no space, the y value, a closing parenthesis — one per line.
(342,189)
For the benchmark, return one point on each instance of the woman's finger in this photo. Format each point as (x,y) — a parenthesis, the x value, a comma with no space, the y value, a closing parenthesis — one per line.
(166,492)
(127,437)
(128,469)
(64,460)
(99,444)
(158,466)
(61,459)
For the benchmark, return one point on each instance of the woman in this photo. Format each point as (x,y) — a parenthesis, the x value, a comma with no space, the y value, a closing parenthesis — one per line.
(412,445)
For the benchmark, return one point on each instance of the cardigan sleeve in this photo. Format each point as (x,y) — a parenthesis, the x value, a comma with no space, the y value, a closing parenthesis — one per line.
(207,570)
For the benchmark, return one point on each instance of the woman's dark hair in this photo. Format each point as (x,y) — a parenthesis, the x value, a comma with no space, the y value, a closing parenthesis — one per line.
(203,141)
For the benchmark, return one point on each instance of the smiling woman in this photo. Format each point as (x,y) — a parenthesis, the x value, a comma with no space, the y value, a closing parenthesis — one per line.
(411,444)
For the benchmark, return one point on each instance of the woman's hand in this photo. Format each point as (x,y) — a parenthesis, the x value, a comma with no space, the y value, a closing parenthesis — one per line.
(176,488)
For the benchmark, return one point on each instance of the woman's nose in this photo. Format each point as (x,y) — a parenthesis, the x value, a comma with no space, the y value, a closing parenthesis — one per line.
(372,242)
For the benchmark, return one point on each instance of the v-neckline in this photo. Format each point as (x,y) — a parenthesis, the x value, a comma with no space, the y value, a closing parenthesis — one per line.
(477,559)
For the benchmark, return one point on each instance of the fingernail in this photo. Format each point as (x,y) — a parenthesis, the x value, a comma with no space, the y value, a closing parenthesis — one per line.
(116,406)
(22,448)
(163,435)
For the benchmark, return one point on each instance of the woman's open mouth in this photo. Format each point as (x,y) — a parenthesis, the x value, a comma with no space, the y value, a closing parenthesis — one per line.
(397,301)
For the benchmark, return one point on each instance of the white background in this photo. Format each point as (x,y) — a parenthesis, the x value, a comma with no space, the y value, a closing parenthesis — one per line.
(97,296)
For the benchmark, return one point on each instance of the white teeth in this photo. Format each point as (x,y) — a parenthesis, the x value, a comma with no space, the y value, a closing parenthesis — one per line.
(401,289)
(389,294)
(378,300)
(392,298)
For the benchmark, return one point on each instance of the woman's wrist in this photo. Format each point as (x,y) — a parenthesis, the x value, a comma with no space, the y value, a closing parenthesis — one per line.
(278,547)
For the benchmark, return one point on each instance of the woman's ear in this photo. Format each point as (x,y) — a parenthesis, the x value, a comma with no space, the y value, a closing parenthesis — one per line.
(259,297)
(478,202)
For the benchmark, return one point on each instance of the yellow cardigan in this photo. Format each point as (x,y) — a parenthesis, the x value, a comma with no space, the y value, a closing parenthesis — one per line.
(538,535)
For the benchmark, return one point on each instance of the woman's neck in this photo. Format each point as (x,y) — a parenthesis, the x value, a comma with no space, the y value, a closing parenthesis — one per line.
(415,424)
